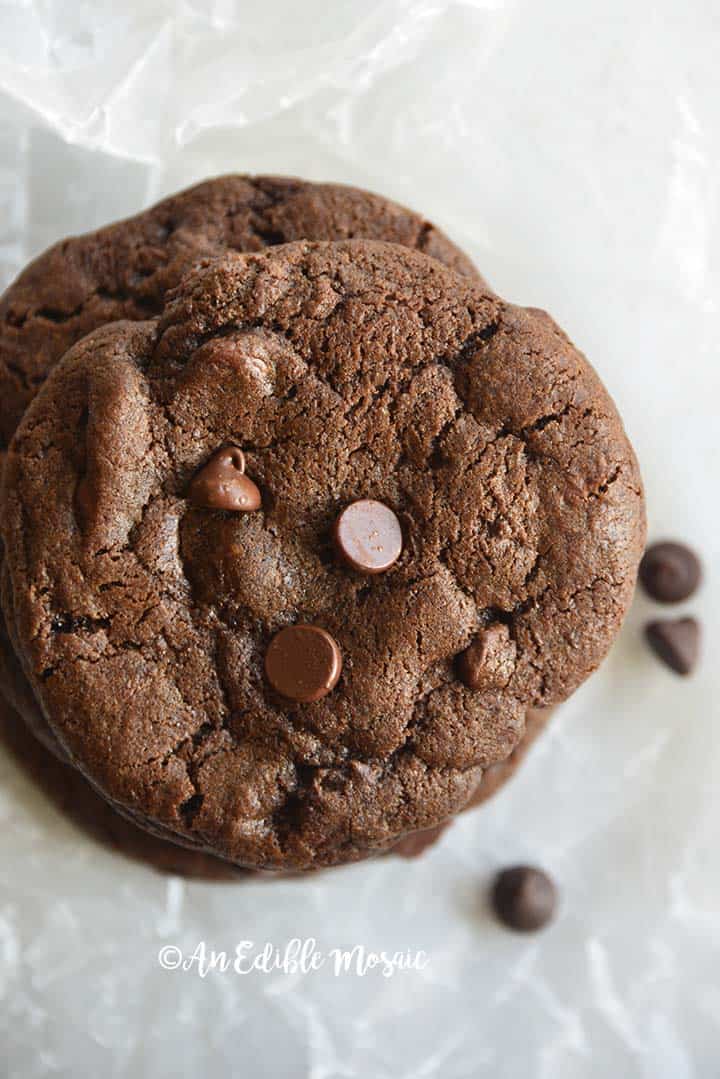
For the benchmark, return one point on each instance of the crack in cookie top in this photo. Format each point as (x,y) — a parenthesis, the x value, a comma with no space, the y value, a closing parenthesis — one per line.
(340,372)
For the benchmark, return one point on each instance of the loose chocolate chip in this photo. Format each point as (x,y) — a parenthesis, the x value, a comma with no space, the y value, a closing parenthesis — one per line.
(303,663)
(524,898)
(490,660)
(221,484)
(368,536)
(670,572)
(676,642)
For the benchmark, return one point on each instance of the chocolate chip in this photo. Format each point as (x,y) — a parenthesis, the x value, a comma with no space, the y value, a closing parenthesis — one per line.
(303,663)
(368,536)
(221,484)
(524,898)
(490,660)
(670,572)
(676,642)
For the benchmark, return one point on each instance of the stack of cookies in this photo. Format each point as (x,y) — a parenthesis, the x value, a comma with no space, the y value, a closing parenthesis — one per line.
(302,525)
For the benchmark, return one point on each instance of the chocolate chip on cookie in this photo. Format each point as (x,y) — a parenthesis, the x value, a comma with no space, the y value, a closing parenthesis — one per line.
(489,660)
(221,484)
(368,536)
(303,663)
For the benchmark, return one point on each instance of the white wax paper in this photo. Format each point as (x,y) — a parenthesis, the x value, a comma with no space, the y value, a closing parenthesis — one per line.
(573,150)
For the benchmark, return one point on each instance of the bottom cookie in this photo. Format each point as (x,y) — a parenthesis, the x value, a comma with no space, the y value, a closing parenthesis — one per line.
(73,796)
(497,774)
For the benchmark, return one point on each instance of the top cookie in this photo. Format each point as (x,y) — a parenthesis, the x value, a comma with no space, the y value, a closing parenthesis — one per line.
(154,625)
(125,269)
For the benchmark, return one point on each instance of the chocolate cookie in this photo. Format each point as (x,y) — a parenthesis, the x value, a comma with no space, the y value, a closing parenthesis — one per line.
(148,621)
(124,270)
(497,775)
(69,792)
(75,798)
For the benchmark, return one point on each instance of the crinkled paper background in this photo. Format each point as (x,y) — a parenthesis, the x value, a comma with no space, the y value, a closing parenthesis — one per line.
(574,150)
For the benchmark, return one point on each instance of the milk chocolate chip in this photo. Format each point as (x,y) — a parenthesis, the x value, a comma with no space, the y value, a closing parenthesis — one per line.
(303,663)
(368,536)
(221,484)
(490,660)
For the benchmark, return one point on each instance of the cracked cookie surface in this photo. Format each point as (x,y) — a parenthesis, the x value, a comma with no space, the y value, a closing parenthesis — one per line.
(344,371)
(67,789)
(125,269)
